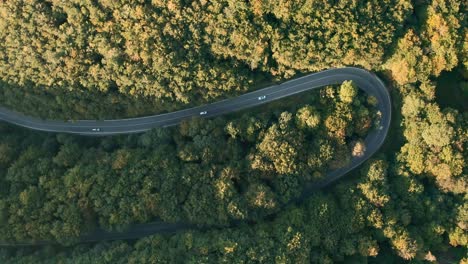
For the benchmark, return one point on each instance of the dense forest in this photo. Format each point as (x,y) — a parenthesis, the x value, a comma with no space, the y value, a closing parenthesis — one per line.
(82,59)
(240,167)
(88,59)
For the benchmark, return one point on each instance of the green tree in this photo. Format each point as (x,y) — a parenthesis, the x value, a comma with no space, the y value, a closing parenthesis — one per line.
(348,91)
(307,117)
(409,63)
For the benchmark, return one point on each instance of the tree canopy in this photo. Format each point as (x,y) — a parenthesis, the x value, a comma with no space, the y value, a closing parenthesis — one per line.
(203,171)
(102,59)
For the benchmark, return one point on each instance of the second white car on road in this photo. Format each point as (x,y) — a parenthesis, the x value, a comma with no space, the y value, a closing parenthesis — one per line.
(263,97)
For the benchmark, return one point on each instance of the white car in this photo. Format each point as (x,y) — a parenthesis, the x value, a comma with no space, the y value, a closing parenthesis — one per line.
(96,129)
(262,97)
(203,113)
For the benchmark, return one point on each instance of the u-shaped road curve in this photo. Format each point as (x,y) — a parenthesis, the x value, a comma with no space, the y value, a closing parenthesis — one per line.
(365,80)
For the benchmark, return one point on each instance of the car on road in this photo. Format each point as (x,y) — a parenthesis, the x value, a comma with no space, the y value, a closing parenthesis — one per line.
(96,129)
(263,97)
(203,113)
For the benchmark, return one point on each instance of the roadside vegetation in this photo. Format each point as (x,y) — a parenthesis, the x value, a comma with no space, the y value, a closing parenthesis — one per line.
(408,203)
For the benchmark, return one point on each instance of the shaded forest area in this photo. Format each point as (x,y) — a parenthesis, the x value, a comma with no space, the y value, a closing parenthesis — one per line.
(452,89)
(409,203)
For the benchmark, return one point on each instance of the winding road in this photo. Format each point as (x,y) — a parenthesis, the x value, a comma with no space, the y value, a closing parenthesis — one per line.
(365,80)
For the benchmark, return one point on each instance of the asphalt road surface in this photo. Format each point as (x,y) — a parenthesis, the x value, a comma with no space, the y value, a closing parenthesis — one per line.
(365,80)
